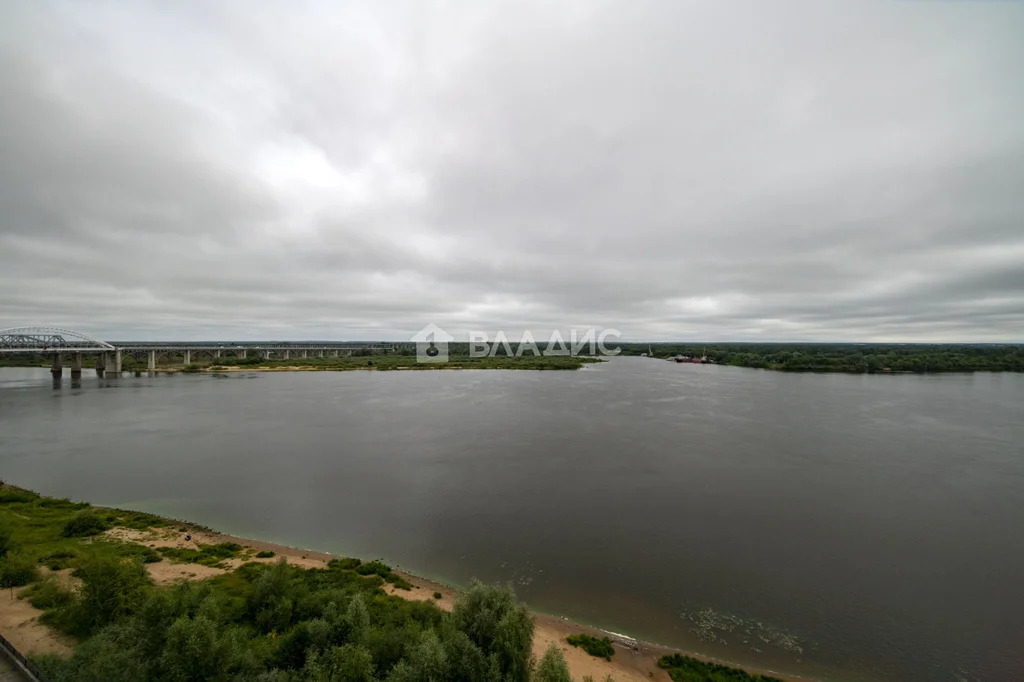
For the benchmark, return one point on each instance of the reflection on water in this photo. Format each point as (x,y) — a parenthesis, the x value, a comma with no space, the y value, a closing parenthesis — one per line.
(806,523)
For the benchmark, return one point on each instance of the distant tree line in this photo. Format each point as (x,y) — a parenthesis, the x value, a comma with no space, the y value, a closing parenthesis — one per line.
(853,357)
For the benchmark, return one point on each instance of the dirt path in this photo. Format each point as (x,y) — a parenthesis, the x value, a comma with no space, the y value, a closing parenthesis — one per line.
(19,623)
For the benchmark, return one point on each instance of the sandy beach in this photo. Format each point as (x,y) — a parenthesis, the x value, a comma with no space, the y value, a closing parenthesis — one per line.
(632,662)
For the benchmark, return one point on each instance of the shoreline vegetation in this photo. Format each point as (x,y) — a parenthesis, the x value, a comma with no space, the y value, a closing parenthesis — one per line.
(375,361)
(110,594)
(850,358)
(858,358)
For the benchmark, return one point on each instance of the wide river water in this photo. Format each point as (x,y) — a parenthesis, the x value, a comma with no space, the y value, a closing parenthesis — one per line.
(845,527)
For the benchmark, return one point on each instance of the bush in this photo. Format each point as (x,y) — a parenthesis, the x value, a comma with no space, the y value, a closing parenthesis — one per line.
(139,520)
(268,623)
(49,594)
(552,667)
(111,589)
(207,555)
(58,559)
(384,571)
(437,595)
(17,570)
(602,648)
(14,495)
(347,564)
(6,541)
(264,554)
(374,567)
(147,555)
(84,524)
(687,669)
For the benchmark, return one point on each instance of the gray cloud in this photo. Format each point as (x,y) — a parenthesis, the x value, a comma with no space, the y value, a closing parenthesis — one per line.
(733,171)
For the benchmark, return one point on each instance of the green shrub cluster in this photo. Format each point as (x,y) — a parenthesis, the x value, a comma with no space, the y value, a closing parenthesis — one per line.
(242,362)
(6,541)
(9,495)
(58,559)
(687,669)
(207,555)
(84,524)
(17,570)
(600,647)
(146,555)
(139,520)
(384,571)
(49,594)
(283,623)
(112,589)
(264,554)
(552,667)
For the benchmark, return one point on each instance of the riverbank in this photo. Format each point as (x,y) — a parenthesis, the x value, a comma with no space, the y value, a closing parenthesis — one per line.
(180,551)
(629,664)
(380,362)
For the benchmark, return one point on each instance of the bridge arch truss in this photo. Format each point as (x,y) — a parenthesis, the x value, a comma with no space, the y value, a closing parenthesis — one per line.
(49,339)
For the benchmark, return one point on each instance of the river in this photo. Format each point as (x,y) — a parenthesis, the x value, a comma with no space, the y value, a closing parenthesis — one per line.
(848,527)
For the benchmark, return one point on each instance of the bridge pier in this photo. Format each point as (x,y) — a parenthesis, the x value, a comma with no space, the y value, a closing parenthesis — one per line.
(186,357)
(76,366)
(56,369)
(101,364)
(244,353)
(266,355)
(112,362)
(151,365)
(287,354)
(334,353)
(216,353)
(305,354)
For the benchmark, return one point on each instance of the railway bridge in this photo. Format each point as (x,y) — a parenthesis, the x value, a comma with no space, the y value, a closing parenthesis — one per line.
(61,344)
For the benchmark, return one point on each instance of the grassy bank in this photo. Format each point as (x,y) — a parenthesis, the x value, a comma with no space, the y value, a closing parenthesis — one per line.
(91,571)
(403,362)
(379,361)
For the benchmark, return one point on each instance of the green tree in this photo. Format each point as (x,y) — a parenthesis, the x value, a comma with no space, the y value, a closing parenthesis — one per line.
(269,603)
(111,588)
(466,663)
(498,625)
(426,662)
(351,663)
(192,650)
(357,618)
(552,667)
(103,658)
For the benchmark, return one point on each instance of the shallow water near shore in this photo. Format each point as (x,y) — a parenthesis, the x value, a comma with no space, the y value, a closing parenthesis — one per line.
(846,527)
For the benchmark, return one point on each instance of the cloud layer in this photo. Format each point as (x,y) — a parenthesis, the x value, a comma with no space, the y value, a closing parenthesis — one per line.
(724,171)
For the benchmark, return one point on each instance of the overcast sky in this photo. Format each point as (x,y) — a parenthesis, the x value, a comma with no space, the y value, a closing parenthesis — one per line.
(675,170)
